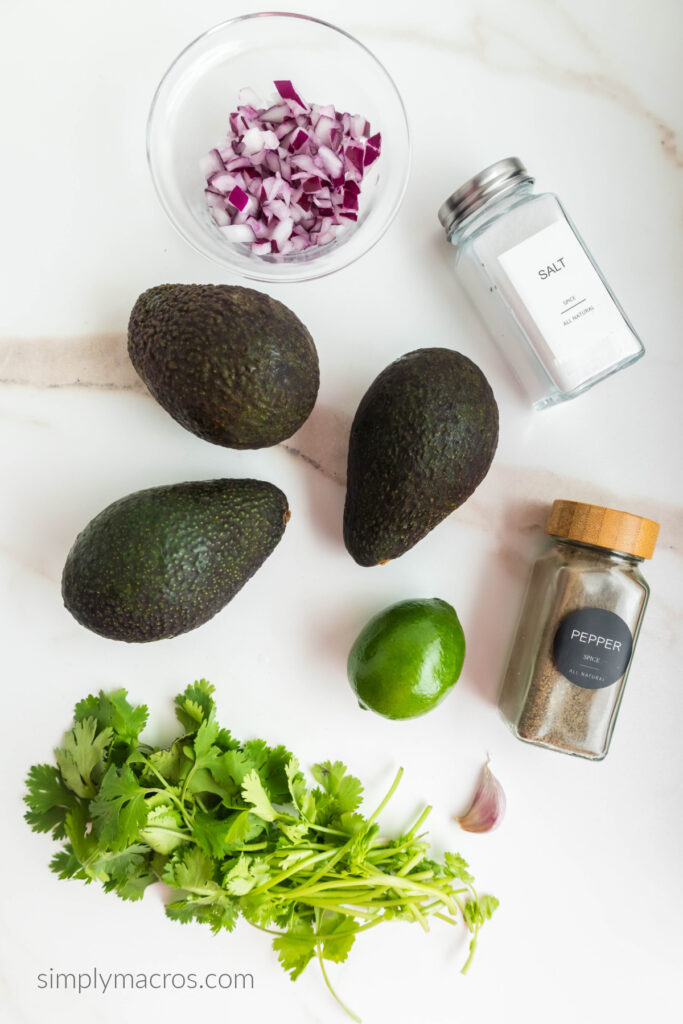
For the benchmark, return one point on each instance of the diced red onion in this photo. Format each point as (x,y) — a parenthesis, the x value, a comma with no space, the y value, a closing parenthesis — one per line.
(238,198)
(238,233)
(331,161)
(221,216)
(211,163)
(287,175)
(276,114)
(288,92)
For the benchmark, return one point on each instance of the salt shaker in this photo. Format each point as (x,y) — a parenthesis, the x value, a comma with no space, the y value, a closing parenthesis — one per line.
(536,285)
(578,627)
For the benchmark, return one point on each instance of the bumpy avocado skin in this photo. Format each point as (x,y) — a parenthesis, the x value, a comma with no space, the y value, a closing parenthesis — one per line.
(422,440)
(163,561)
(232,365)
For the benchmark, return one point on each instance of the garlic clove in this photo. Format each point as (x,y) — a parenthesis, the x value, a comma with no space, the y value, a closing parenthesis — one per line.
(488,804)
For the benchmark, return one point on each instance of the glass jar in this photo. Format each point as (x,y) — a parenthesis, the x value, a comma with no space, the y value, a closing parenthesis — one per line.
(536,285)
(578,627)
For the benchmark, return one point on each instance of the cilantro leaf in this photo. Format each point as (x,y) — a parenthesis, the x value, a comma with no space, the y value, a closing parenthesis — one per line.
(171,762)
(302,799)
(219,914)
(230,769)
(81,759)
(218,837)
(194,705)
(457,867)
(211,833)
(346,789)
(81,837)
(204,742)
(113,711)
(66,864)
(352,824)
(121,864)
(254,794)
(133,886)
(200,897)
(479,910)
(294,830)
(296,948)
(260,909)
(206,755)
(256,753)
(119,810)
(245,874)
(274,775)
(48,800)
(192,870)
(336,946)
(162,830)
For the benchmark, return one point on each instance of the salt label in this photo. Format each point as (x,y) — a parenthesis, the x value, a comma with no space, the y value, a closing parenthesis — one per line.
(562,292)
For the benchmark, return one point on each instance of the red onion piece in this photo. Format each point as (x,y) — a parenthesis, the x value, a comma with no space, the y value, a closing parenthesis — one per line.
(276,114)
(288,175)
(238,198)
(288,92)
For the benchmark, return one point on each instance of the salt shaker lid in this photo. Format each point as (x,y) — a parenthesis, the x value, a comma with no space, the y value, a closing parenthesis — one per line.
(491,183)
(603,527)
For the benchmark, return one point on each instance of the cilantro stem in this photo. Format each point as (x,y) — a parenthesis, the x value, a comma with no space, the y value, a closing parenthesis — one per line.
(387,798)
(167,791)
(425,814)
(276,879)
(343,1005)
(418,916)
(171,832)
(442,917)
(388,848)
(187,782)
(396,882)
(318,949)
(346,910)
(377,882)
(412,863)
(333,860)
(473,945)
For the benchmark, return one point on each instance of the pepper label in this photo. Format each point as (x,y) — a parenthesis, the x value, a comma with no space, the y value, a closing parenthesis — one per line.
(592,648)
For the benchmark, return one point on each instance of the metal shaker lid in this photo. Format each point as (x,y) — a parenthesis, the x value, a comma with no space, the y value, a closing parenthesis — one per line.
(490,183)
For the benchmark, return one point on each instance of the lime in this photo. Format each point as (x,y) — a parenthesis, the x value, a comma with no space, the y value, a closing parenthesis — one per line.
(407,658)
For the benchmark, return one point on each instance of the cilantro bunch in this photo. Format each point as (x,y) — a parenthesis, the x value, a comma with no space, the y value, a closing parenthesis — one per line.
(234,829)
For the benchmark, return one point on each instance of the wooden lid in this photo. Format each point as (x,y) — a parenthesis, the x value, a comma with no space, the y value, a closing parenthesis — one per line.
(603,527)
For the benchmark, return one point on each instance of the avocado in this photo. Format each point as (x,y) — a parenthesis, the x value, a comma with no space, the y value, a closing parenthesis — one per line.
(422,440)
(163,561)
(230,364)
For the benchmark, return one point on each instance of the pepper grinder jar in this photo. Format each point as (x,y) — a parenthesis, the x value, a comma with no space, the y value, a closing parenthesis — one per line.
(578,628)
(536,285)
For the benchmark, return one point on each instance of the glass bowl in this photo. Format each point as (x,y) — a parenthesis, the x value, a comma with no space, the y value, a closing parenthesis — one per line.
(189,116)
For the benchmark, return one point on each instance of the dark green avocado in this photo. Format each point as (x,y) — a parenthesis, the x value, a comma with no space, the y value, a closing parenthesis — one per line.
(422,440)
(163,561)
(232,365)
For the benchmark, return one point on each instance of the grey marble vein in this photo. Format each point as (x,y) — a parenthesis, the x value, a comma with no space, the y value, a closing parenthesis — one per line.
(90,361)
(101,361)
(479,40)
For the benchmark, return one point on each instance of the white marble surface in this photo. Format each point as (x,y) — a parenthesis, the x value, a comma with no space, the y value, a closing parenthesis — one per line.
(587,862)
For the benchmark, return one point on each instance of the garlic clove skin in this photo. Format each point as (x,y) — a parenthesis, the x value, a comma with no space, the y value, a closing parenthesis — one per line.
(488,804)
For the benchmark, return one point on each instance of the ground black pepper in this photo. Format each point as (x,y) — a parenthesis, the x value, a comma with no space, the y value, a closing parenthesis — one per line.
(581,616)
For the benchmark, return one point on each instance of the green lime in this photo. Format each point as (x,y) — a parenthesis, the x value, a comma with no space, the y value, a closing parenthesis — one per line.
(407,658)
